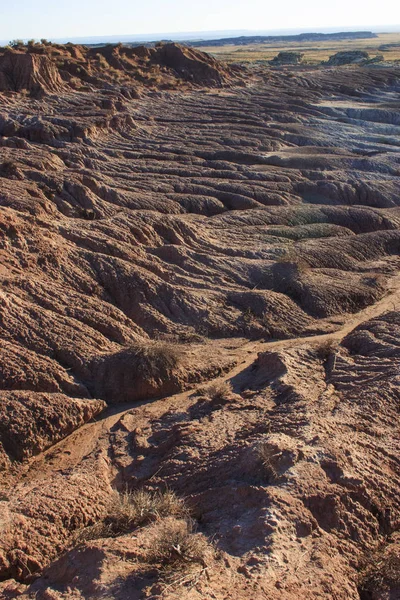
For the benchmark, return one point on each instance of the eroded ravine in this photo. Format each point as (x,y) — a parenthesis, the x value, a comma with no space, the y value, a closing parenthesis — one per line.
(70,451)
(234,223)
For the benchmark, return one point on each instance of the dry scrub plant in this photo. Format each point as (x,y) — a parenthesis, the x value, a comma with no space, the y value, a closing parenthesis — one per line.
(154,357)
(128,510)
(179,554)
(265,456)
(380,574)
(175,544)
(326,348)
(175,549)
(220,390)
(290,256)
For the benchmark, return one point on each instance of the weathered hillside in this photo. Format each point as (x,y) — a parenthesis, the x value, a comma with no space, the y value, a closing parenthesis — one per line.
(164,221)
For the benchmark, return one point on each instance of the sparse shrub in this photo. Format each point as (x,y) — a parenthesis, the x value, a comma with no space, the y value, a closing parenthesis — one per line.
(249,316)
(16,43)
(202,330)
(133,509)
(152,358)
(377,281)
(75,82)
(290,256)
(128,510)
(218,391)
(175,548)
(176,545)
(102,62)
(263,453)
(326,348)
(380,574)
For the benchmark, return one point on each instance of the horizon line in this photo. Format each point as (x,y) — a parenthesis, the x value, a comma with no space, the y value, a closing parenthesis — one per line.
(153,37)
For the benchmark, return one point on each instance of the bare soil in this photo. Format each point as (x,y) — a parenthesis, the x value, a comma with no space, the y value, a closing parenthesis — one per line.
(200,293)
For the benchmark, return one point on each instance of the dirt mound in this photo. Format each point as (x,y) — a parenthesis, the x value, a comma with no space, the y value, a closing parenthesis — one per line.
(30,72)
(46,517)
(192,65)
(348,57)
(32,422)
(287,58)
(148,370)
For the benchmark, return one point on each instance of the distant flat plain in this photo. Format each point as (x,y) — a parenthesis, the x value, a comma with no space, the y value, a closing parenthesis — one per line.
(314,52)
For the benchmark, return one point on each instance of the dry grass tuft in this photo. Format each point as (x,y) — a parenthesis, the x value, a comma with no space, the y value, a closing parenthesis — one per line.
(172,546)
(133,509)
(129,510)
(152,358)
(217,392)
(381,574)
(263,453)
(180,556)
(175,544)
(291,257)
(326,348)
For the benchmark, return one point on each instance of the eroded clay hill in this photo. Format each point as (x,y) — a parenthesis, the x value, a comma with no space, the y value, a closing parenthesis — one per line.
(167,220)
(47,68)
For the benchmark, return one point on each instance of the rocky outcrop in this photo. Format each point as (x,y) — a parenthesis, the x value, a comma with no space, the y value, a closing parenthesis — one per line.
(348,57)
(287,58)
(30,72)
(46,69)
(32,422)
(191,65)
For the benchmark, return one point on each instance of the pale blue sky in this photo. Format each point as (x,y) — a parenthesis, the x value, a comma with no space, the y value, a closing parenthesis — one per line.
(74,18)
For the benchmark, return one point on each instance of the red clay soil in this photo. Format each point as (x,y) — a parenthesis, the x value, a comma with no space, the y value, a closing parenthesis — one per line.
(168,221)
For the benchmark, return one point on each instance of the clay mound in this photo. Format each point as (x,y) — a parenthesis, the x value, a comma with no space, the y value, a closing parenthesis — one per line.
(31,422)
(152,370)
(32,72)
(139,372)
(34,532)
(164,61)
(48,68)
(192,65)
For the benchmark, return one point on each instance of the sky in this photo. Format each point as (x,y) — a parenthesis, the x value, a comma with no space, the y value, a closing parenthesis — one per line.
(54,19)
